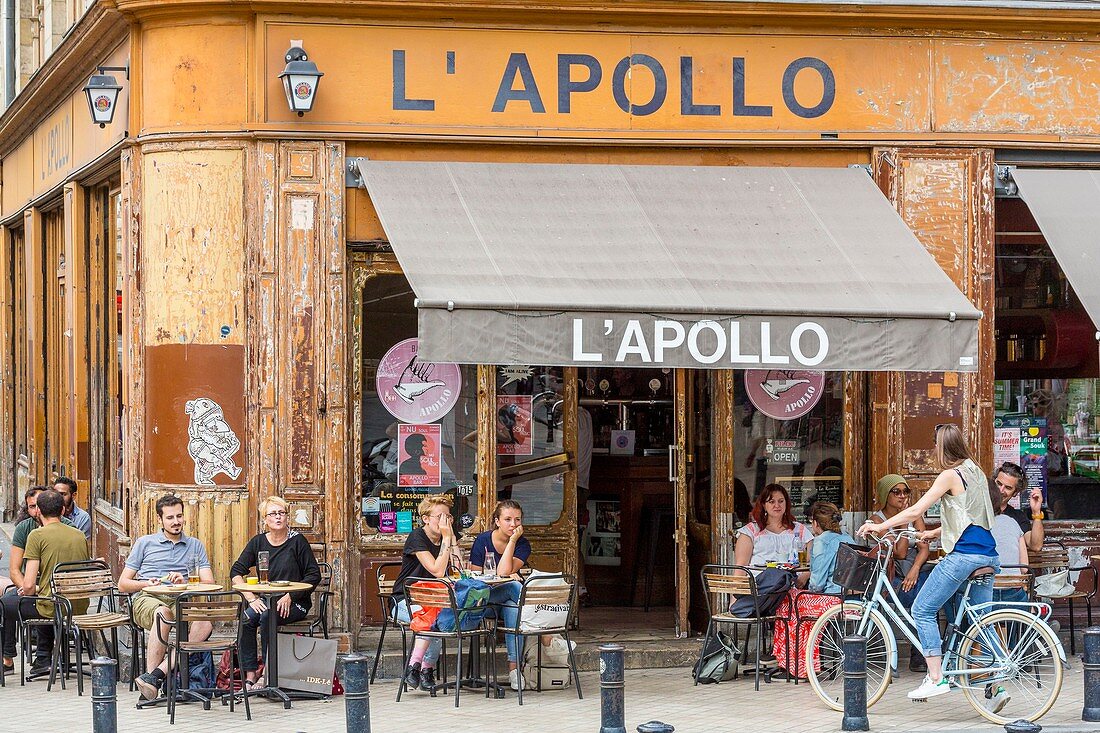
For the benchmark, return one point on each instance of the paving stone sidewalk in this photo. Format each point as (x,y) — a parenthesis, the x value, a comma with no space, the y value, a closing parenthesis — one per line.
(662,694)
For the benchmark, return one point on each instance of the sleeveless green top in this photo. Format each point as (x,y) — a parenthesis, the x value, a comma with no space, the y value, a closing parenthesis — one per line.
(972,506)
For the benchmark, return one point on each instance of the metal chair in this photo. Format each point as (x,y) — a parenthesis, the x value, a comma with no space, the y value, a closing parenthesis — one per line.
(546,590)
(1023,580)
(439,594)
(387,575)
(1054,557)
(733,581)
(223,607)
(86,581)
(317,620)
(27,627)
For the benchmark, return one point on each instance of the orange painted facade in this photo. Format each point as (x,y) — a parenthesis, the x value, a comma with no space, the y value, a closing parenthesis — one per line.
(214,190)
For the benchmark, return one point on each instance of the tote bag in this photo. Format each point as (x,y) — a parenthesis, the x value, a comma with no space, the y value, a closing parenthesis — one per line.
(535,617)
(307,663)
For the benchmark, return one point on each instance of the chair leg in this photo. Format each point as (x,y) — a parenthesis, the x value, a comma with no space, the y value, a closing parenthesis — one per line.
(573,666)
(1072,631)
(521,654)
(759,649)
(171,689)
(378,651)
(405,666)
(458,667)
(247,710)
(79,662)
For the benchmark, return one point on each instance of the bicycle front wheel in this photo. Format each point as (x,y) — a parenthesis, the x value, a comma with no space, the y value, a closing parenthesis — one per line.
(1026,674)
(825,653)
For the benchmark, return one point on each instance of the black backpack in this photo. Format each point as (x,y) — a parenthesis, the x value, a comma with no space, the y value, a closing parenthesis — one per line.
(771,585)
(717,661)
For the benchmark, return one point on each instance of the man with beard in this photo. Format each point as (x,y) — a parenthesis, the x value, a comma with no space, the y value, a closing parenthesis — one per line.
(164,556)
(76,516)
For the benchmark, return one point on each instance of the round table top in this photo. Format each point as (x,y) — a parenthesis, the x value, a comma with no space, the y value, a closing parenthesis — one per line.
(167,589)
(498,580)
(290,587)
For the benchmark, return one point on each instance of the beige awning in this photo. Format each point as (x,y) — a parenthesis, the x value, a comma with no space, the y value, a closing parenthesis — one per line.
(1066,206)
(707,267)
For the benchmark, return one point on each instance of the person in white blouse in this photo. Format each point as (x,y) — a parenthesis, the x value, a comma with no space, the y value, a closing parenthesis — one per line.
(772,535)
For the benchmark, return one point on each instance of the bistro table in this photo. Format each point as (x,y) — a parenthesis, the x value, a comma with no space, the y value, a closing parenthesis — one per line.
(475,680)
(271,690)
(170,592)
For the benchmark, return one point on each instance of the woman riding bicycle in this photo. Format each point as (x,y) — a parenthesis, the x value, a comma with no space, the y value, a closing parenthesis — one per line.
(966,518)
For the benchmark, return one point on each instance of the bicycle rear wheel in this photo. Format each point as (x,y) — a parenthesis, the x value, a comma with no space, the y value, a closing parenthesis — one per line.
(825,653)
(1028,650)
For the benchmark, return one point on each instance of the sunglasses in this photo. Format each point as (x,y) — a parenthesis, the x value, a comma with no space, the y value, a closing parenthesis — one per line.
(901,492)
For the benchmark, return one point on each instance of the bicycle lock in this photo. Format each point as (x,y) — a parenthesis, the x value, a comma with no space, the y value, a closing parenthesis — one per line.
(855,684)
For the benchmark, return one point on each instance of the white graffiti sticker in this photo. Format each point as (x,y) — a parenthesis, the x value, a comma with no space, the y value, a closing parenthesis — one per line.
(211,443)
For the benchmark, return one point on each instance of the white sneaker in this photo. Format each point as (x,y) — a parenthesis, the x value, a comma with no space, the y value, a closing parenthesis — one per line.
(928,689)
(515,679)
(998,697)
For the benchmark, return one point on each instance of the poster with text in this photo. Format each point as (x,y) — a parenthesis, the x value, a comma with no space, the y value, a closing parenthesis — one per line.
(1033,454)
(419,455)
(514,425)
(1006,449)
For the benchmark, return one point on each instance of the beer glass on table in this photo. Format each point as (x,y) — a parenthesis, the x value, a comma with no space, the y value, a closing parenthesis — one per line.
(262,559)
(193,570)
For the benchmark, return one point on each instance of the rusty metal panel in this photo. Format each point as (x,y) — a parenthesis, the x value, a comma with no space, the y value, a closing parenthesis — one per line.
(946,197)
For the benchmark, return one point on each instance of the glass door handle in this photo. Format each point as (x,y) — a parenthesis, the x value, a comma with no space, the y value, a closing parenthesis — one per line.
(672,463)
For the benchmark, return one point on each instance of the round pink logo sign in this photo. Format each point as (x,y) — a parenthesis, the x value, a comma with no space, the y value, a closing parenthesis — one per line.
(784,394)
(416,391)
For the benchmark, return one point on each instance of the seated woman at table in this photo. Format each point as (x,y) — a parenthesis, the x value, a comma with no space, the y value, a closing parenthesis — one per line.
(428,553)
(808,606)
(289,558)
(825,524)
(506,544)
(773,535)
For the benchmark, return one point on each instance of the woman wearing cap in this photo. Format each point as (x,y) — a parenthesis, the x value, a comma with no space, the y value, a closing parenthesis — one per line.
(966,520)
(910,570)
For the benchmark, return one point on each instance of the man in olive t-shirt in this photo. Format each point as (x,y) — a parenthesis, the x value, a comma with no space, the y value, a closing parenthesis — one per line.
(48,546)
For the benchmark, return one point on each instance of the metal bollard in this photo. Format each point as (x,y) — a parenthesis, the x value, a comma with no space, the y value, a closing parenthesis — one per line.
(1091,711)
(855,684)
(612,689)
(104,697)
(1022,726)
(356,668)
(655,726)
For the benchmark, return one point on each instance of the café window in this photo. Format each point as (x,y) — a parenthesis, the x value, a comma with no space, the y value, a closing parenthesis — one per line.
(418,421)
(531,460)
(1047,391)
(789,430)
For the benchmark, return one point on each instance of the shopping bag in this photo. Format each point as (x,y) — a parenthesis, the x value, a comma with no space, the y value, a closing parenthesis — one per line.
(307,663)
(534,617)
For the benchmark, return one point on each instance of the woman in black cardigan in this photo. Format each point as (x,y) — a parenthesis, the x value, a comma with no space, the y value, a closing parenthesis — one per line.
(289,558)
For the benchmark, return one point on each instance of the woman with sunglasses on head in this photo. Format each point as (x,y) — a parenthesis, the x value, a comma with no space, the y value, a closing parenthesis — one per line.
(966,517)
(910,570)
(289,558)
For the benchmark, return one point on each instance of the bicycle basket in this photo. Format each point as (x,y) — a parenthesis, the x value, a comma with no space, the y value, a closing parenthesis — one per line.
(855,567)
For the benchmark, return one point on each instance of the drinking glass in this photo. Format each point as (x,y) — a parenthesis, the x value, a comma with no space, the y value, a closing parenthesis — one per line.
(490,569)
(193,570)
(262,559)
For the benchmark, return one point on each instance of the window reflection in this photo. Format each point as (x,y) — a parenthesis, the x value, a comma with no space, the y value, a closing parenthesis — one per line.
(529,414)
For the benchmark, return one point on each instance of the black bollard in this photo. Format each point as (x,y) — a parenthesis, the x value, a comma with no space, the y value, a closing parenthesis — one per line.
(655,726)
(104,697)
(356,692)
(612,689)
(1091,712)
(855,684)
(1022,726)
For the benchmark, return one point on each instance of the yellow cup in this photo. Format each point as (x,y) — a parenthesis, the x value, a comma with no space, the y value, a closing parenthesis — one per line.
(252,580)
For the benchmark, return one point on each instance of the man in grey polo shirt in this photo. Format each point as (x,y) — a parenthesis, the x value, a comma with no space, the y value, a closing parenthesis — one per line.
(164,556)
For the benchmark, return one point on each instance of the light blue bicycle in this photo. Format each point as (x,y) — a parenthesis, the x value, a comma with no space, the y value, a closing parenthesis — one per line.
(1004,656)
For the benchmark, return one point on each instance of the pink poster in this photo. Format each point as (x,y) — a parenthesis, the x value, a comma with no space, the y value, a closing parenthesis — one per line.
(514,425)
(419,454)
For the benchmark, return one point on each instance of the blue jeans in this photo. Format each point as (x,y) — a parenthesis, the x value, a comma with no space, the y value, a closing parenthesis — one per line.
(431,655)
(506,599)
(948,577)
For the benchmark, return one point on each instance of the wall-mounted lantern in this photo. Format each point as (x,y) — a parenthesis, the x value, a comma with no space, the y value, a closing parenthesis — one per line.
(300,79)
(102,92)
